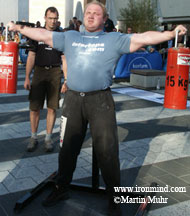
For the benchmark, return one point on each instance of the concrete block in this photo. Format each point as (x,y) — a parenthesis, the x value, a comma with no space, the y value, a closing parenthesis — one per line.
(147,79)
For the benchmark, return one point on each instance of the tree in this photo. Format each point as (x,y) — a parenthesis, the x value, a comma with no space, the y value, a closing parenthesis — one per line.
(140,15)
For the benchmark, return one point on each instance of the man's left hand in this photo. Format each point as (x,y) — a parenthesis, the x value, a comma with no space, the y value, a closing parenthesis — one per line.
(64,87)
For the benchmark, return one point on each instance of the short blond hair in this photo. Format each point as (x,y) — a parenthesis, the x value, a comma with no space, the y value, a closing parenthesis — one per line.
(97,3)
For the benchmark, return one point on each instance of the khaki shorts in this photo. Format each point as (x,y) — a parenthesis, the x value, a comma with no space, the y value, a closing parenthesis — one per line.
(46,85)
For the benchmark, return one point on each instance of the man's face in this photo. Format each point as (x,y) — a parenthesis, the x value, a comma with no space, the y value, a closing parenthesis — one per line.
(93,18)
(75,21)
(129,30)
(51,20)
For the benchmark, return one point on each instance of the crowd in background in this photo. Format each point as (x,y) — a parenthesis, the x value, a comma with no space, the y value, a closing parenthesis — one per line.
(11,36)
(77,25)
(74,24)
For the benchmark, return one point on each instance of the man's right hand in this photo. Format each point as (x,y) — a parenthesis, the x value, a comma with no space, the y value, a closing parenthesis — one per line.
(27,84)
(12,26)
(64,88)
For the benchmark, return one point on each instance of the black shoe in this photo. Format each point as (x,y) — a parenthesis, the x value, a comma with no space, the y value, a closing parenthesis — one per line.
(32,145)
(55,196)
(49,145)
(114,209)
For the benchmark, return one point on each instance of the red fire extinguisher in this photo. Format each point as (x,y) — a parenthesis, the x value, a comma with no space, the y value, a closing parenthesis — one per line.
(177,76)
(8,66)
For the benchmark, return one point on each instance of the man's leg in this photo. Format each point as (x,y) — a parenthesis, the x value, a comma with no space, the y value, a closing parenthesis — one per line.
(105,142)
(72,133)
(105,138)
(53,86)
(34,122)
(70,149)
(36,98)
(51,116)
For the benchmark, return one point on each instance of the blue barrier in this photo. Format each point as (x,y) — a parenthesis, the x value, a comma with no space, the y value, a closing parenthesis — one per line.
(138,60)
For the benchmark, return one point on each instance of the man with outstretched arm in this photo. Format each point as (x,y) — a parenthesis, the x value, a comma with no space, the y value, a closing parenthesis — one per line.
(91,57)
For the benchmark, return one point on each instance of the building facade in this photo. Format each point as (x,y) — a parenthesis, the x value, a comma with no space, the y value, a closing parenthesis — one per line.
(33,10)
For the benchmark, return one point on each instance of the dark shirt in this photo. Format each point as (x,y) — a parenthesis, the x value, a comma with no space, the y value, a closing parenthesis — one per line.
(109,26)
(2,29)
(45,55)
(71,26)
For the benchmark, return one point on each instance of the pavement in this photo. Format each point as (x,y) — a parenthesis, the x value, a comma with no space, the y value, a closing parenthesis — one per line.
(154,146)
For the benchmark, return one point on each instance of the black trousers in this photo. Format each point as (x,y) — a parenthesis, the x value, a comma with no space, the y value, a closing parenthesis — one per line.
(97,109)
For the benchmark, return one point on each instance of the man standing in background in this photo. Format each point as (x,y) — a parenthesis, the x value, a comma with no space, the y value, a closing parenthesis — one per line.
(108,26)
(46,82)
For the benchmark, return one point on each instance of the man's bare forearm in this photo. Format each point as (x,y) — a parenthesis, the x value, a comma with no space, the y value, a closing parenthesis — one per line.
(38,34)
(154,37)
(30,63)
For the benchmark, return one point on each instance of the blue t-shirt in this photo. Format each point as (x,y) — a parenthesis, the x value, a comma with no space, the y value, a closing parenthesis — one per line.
(91,57)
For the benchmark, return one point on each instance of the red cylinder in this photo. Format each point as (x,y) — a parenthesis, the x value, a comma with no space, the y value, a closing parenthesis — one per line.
(177,78)
(8,67)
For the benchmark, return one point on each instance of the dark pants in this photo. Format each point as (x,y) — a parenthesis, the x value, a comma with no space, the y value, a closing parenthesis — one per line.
(97,109)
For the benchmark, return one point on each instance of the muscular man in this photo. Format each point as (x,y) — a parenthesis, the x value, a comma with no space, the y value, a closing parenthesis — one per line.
(91,58)
(46,82)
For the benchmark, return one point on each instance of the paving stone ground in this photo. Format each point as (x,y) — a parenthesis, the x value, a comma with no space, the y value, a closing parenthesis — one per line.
(154,146)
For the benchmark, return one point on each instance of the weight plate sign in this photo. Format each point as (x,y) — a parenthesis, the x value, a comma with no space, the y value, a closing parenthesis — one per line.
(6,65)
(183,59)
